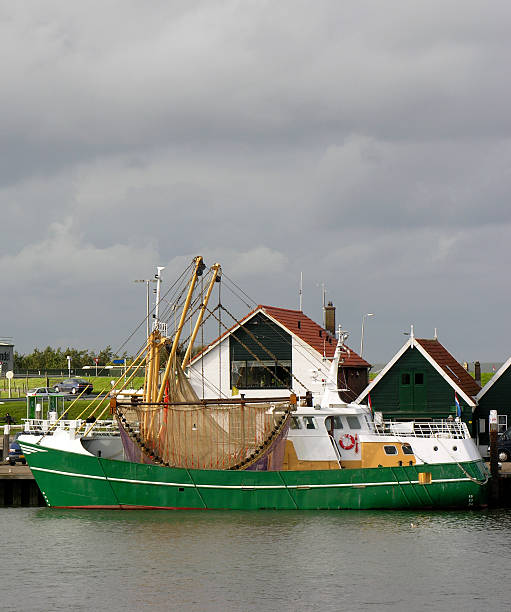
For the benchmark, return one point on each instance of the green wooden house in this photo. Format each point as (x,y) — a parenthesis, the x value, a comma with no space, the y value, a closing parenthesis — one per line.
(495,395)
(421,382)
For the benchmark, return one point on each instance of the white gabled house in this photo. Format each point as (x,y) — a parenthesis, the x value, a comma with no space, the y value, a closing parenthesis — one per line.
(270,352)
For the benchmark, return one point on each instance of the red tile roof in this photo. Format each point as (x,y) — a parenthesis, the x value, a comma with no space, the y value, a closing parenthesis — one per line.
(308,331)
(454,370)
(313,334)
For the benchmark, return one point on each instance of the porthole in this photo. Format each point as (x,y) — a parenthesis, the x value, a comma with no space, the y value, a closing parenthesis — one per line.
(454,448)
(435,448)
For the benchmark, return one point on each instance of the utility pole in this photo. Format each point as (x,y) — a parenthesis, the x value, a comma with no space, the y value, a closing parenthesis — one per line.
(146,281)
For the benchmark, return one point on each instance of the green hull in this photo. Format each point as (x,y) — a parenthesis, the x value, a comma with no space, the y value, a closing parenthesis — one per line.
(70,480)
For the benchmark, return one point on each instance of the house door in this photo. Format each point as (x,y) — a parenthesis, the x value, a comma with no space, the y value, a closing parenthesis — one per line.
(412,391)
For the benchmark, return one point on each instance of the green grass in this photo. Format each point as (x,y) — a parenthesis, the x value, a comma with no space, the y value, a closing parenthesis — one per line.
(485,377)
(18,407)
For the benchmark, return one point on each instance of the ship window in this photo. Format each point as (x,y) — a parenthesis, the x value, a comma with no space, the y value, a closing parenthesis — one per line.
(353,422)
(407,449)
(390,450)
(333,422)
(295,423)
(337,422)
(419,378)
(309,422)
(405,378)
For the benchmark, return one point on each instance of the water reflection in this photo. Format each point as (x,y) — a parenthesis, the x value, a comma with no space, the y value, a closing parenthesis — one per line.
(214,560)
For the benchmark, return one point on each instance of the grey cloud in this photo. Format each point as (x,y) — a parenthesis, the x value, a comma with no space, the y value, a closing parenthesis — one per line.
(363,144)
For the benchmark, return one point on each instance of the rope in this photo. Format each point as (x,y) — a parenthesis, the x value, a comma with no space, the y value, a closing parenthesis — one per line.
(251,352)
(304,354)
(219,334)
(277,430)
(267,351)
(202,341)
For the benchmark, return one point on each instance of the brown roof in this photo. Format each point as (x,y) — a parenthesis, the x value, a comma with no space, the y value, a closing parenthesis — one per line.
(308,331)
(454,370)
(313,334)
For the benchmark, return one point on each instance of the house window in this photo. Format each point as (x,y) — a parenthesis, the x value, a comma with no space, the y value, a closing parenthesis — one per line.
(419,378)
(261,374)
(502,421)
(405,378)
(482,425)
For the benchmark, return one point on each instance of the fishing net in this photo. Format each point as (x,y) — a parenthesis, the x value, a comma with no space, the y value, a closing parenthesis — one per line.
(204,435)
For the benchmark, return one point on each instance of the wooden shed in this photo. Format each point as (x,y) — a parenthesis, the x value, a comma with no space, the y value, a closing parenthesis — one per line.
(421,382)
(495,395)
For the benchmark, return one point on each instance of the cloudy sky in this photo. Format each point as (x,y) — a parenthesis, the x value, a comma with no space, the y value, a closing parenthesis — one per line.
(364,144)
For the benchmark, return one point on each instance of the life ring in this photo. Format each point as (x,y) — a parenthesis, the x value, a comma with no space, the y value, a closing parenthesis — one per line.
(347,441)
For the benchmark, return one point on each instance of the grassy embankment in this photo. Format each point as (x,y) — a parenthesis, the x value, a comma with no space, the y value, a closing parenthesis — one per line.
(18,408)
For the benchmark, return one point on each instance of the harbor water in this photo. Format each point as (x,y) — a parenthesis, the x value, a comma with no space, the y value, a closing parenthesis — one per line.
(279,561)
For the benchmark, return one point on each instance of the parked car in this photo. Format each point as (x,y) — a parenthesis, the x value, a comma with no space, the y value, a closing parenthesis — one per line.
(44,391)
(15,453)
(73,385)
(503,446)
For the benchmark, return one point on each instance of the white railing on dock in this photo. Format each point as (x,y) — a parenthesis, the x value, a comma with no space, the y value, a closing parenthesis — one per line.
(426,429)
(45,426)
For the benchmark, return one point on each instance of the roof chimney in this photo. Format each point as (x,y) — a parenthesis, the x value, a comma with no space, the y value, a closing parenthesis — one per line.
(477,372)
(330,318)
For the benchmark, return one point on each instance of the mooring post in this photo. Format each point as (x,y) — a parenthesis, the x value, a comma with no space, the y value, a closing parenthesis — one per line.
(5,448)
(494,458)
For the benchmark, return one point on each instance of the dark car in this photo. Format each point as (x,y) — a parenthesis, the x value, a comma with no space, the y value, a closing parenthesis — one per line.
(503,445)
(15,453)
(73,385)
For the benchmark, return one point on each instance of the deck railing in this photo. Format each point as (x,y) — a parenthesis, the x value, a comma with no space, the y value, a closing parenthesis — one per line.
(426,429)
(45,426)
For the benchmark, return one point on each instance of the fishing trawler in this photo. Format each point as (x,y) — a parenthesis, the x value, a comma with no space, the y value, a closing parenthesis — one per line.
(183,452)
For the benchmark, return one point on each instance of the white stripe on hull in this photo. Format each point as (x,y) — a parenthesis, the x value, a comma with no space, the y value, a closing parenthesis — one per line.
(357,485)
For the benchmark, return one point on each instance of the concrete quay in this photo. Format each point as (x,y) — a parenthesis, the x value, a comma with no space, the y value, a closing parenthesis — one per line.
(18,487)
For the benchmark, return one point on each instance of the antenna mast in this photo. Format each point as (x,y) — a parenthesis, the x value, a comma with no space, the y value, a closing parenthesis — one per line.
(323,297)
(157,276)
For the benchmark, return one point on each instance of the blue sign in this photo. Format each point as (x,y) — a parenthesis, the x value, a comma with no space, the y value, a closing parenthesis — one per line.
(118,361)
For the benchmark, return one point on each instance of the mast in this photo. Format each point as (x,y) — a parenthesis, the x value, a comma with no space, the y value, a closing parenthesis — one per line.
(157,276)
(198,269)
(331,392)
(217,271)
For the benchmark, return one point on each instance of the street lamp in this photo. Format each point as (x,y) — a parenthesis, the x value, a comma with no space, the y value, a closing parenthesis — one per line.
(147,281)
(369,314)
(69,365)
